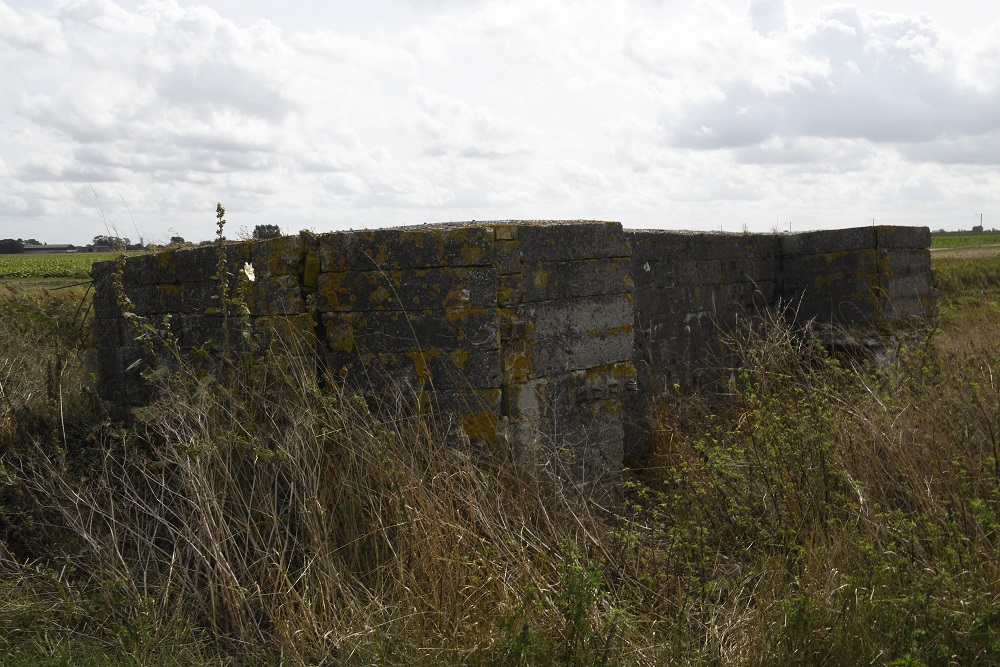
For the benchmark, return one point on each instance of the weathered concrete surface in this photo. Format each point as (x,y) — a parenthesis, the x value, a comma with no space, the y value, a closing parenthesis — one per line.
(548,338)
(520,330)
(859,284)
(688,287)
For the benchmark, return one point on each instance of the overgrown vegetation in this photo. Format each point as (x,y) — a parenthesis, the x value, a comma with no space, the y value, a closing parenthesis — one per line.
(817,511)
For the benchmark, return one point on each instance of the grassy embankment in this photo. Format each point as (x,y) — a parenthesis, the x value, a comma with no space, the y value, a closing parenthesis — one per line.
(817,512)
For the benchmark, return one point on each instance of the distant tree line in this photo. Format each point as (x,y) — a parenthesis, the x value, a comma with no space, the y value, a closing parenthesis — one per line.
(266,232)
(11,246)
(113,242)
(15,246)
(102,241)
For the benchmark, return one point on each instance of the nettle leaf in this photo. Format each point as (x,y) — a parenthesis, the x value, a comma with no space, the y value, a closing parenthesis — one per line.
(153,374)
(145,414)
(134,365)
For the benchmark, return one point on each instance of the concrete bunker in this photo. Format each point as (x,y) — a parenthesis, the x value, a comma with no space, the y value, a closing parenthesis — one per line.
(541,336)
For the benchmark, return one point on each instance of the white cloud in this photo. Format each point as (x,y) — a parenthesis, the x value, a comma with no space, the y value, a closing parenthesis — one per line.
(769,16)
(885,79)
(403,111)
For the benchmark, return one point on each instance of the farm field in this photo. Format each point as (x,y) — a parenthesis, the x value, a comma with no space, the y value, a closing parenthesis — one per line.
(61,265)
(816,511)
(963,239)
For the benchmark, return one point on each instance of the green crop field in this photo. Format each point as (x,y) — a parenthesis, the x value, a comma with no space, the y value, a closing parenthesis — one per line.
(64,265)
(964,239)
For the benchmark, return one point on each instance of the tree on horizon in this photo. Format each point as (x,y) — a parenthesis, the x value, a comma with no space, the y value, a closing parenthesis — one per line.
(266,232)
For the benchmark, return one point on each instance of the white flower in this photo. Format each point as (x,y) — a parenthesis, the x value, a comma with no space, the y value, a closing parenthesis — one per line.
(248,270)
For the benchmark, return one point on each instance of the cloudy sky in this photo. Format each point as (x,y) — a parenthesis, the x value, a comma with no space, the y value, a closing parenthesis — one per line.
(139,116)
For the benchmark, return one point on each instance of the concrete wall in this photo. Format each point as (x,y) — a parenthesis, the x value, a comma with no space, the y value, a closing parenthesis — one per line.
(522,332)
(688,286)
(866,282)
(538,336)
(873,279)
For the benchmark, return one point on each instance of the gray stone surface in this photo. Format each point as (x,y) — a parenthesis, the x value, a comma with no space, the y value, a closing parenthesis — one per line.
(552,338)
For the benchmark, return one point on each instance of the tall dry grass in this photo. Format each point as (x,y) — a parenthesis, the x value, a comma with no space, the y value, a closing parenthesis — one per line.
(815,510)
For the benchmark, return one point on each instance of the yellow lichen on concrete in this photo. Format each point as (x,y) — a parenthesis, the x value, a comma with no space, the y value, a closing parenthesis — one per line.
(472,254)
(516,360)
(624,330)
(456,297)
(505,232)
(340,337)
(480,426)
(420,359)
(380,295)
(459,357)
(310,273)
(379,258)
(540,278)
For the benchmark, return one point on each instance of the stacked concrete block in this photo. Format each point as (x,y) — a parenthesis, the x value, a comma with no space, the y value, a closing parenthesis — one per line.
(175,298)
(531,334)
(415,309)
(565,302)
(522,330)
(689,287)
(908,298)
(865,280)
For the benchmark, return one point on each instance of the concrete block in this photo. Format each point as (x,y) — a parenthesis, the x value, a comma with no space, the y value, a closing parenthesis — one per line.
(812,243)
(572,317)
(836,287)
(831,264)
(409,289)
(556,241)
(288,333)
(473,412)
(427,369)
(184,264)
(577,416)
(395,331)
(908,309)
(548,281)
(677,272)
(903,286)
(196,330)
(662,245)
(838,310)
(750,269)
(105,301)
(562,354)
(905,262)
(422,247)
(903,237)
(183,298)
(282,256)
(277,295)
